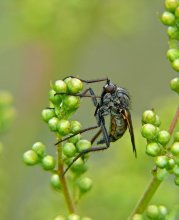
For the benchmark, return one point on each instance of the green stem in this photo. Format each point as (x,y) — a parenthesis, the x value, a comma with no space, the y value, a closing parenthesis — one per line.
(66,193)
(146,197)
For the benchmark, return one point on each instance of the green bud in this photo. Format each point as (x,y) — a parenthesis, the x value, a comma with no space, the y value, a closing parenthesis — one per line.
(157,121)
(177,12)
(148,117)
(176,136)
(168,18)
(175,64)
(173,32)
(60,86)
(171,164)
(149,131)
(138,217)
(175,148)
(73,217)
(153,212)
(71,103)
(39,148)
(84,184)
(174,84)
(163,210)
(171,5)
(64,127)
(153,149)
(83,145)
(74,85)
(75,139)
(176,170)
(48,163)
(59,217)
(47,114)
(86,218)
(161,161)
(172,54)
(163,137)
(176,159)
(52,123)
(177,180)
(75,126)
(78,166)
(55,99)
(69,149)
(55,181)
(30,157)
(161,174)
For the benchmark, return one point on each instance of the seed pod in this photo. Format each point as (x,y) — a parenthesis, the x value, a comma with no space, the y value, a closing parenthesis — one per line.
(74,85)
(163,137)
(60,86)
(149,131)
(175,148)
(173,33)
(63,127)
(47,114)
(75,139)
(30,157)
(55,181)
(39,148)
(168,18)
(69,149)
(174,84)
(149,117)
(172,54)
(55,99)
(84,184)
(71,103)
(48,163)
(153,212)
(161,161)
(83,145)
(52,123)
(163,211)
(153,149)
(175,64)
(162,174)
(171,5)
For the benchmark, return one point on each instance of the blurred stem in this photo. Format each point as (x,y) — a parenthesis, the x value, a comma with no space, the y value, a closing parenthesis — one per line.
(154,183)
(66,193)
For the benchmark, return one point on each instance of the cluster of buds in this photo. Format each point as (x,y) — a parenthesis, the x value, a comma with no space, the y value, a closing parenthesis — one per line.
(64,102)
(166,155)
(170,17)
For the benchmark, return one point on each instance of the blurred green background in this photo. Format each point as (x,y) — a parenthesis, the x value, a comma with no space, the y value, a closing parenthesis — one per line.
(47,40)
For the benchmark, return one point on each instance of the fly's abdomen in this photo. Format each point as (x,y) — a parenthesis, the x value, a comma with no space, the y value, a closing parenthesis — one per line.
(117,128)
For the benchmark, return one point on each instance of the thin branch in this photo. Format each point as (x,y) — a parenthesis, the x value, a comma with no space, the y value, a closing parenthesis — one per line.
(174,121)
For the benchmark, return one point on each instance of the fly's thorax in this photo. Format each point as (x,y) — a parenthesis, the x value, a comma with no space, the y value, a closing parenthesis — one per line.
(122,98)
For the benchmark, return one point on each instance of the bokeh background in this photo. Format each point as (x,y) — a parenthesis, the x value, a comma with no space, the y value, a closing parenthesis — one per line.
(47,40)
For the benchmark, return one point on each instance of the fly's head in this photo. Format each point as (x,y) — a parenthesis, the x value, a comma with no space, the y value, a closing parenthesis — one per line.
(109,87)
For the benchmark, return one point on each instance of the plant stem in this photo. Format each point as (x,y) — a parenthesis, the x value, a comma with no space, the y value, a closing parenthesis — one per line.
(146,197)
(66,193)
(154,183)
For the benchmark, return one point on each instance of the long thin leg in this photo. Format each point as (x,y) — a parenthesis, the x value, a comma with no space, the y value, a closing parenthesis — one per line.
(93,149)
(80,132)
(88,81)
(96,136)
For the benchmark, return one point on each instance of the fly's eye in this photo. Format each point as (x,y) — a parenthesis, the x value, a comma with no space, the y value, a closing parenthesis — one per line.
(110,88)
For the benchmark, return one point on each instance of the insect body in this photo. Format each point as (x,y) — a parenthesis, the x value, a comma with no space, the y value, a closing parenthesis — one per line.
(115,103)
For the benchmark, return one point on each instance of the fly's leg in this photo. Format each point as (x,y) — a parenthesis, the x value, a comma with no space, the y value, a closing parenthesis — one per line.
(89,81)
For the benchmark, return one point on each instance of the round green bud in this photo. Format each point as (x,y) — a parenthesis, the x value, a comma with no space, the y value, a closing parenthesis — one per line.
(60,86)
(177,12)
(153,212)
(161,174)
(69,149)
(63,127)
(172,54)
(48,163)
(174,84)
(52,123)
(157,122)
(161,161)
(59,217)
(149,117)
(47,114)
(75,139)
(149,131)
(78,166)
(71,103)
(175,64)
(168,18)
(163,137)
(30,157)
(177,180)
(75,126)
(176,159)
(171,5)
(73,217)
(39,148)
(153,149)
(74,85)
(84,184)
(86,218)
(163,210)
(173,32)
(55,181)
(171,164)
(175,148)
(176,136)
(55,99)
(138,217)
(83,145)
(176,170)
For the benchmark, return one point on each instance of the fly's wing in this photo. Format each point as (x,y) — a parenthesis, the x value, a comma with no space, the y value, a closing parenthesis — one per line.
(127,116)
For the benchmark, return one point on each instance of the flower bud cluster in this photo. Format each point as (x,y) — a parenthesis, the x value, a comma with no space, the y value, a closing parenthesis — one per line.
(170,17)
(153,212)
(166,157)
(63,104)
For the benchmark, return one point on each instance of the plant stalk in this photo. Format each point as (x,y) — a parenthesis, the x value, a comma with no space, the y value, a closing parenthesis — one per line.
(66,193)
